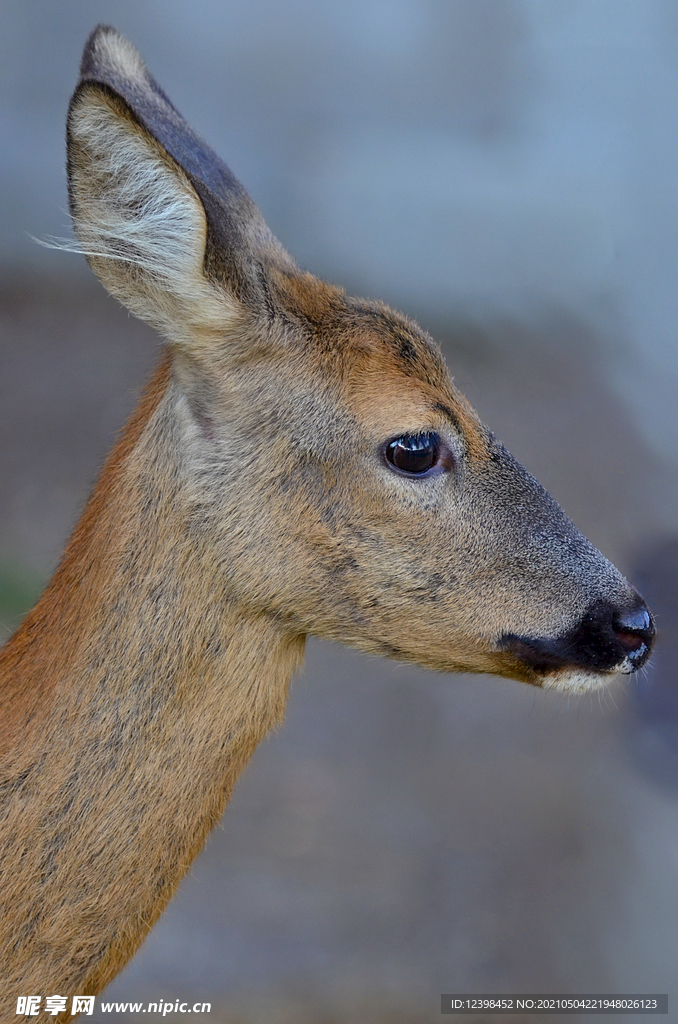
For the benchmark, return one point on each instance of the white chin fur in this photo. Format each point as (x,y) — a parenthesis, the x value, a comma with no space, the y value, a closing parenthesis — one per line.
(580,681)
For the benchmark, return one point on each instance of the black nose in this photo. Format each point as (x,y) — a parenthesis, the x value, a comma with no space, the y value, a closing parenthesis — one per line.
(634,631)
(607,638)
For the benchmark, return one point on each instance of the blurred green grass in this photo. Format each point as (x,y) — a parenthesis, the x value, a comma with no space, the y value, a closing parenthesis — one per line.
(20,588)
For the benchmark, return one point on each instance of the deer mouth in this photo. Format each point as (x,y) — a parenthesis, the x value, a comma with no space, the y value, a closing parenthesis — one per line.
(606,640)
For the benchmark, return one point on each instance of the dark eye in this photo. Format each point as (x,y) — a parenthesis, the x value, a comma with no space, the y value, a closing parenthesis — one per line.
(413,454)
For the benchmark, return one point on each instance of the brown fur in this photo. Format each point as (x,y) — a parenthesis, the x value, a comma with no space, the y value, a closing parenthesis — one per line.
(246,505)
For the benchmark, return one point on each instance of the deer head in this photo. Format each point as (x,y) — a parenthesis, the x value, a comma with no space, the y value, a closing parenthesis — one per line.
(340,482)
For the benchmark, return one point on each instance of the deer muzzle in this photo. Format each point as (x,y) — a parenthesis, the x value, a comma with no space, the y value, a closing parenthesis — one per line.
(607,639)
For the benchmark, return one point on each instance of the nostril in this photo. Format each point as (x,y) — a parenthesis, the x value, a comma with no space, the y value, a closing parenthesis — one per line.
(629,641)
(634,629)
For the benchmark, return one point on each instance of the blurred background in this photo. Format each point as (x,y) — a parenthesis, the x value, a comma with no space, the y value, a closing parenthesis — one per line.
(505,171)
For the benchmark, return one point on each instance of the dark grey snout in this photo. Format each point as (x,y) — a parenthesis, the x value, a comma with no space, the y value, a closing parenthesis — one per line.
(606,639)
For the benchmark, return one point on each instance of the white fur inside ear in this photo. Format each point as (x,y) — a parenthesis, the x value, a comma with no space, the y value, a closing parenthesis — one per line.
(140,222)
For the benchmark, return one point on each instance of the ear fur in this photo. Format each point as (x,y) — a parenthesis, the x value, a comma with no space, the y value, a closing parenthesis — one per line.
(163,222)
(137,218)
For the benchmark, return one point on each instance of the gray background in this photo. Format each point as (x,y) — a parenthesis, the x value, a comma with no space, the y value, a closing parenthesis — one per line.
(505,170)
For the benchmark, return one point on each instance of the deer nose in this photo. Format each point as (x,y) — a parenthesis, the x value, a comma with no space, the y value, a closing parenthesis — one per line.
(607,638)
(634,630)
(611,637)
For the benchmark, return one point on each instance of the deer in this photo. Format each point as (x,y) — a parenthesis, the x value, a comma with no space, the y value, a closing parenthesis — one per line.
(301,463)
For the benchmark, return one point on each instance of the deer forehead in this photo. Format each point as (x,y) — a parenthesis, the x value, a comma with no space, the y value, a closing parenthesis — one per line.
(341,373)
(375,366)
(389,398)
(388,402)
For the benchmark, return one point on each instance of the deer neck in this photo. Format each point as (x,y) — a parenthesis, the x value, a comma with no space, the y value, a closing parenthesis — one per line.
(135,693)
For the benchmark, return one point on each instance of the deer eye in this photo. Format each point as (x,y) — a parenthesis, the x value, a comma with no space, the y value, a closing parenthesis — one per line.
(413,454)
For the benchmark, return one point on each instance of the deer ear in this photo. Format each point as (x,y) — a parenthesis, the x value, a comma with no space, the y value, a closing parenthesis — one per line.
(163,222)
